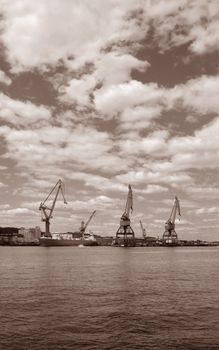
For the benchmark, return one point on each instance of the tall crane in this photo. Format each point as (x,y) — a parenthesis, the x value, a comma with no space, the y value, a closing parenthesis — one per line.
(170,235)
(46,209)
(143,230)
(84,225)
(125,235)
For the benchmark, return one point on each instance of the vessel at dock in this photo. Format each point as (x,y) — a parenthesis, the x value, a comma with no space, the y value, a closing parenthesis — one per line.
(68,239)
(63,239)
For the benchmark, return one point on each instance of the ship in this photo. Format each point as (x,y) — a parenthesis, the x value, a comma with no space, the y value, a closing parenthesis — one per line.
(63,239)
(68,239)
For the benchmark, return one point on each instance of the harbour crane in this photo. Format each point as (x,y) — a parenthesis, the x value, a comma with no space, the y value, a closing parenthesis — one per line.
(46,209)
(143,230)
(84,225)
(170,235)
(125,235)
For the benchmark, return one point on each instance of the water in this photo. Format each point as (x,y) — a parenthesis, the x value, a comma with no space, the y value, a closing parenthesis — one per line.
(97,298)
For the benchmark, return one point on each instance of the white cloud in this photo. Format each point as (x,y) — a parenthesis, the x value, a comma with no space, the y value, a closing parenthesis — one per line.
(56,30)
(138,118)
(154,144)
(21,113)
(99,203)
(17,211)
(78,90)
(83,147)
(203,191)
(198,151)
(4,206)
(4,78)
(146,176)
(99,182)
(109,68)
(115,98)
(188,22)
(198,95)
(154,189)
(3,167)
(205,210)
(142,103)
(116,67)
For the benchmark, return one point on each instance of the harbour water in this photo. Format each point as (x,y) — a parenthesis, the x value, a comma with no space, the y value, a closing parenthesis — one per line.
(97,298)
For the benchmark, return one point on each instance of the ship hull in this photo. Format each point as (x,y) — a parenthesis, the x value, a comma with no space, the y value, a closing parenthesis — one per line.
(51,242)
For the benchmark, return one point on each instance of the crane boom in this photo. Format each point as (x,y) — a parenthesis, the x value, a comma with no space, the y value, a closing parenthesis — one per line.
(85,225)
(48,210)
(89,220)
(129,203)
(143,230)
(175,209)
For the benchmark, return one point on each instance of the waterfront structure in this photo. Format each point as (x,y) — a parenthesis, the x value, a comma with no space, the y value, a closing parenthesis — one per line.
(47,210)
(30,235)
(71,238)
(21,236)
(170,237)
(125,235)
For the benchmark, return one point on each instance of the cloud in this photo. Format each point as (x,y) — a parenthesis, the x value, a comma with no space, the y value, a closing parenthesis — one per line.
(4,206)
(17,211)
(203,191)
(99,203)
(139,117)
(153,144)
(55,147)
(188,22)
(146,176)
(197,95)
(154,189)
(4,78)
(198,151)
(47,31)
(211,210)
(141,104)
(116,98)
(3,167)
(110,68)
(21,113)
(99,182)
(78,91)
(191,119)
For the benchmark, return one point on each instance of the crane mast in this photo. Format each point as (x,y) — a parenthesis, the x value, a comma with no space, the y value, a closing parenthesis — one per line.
(47,210)
(170,235)
(125,235)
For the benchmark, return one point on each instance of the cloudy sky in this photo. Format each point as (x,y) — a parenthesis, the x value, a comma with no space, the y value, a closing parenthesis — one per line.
(101,94)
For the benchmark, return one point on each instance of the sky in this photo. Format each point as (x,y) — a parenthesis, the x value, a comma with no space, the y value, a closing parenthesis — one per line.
(102,94)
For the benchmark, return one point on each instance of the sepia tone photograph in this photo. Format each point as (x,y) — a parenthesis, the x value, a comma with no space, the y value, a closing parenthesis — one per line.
(109,175)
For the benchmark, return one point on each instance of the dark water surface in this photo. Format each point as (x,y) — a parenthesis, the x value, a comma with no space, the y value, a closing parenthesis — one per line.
(97,298)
